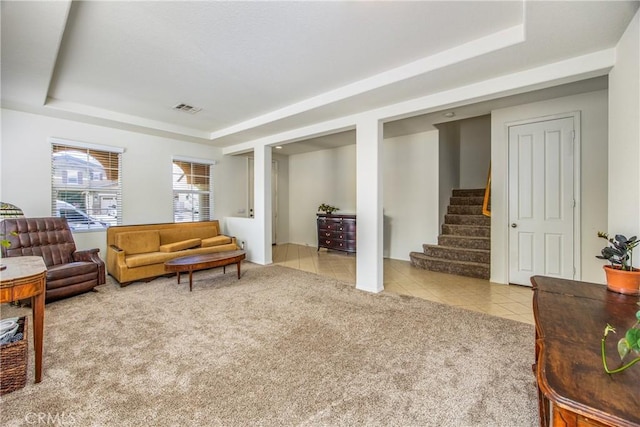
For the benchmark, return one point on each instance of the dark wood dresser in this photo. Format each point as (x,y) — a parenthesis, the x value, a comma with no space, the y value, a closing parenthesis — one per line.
(573,388)
(337,232)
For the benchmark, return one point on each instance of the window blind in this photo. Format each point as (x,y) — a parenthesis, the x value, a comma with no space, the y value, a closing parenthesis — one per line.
(86,185)
(192,191)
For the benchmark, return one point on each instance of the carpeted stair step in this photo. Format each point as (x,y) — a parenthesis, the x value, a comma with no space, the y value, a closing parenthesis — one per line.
(474,192)
(465,242)
(464,209)
(466,201)
(466,230)
(457,254)
(467,219)
(461,268)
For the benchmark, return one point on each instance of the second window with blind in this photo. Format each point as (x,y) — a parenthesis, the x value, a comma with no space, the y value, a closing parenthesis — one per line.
(192,190)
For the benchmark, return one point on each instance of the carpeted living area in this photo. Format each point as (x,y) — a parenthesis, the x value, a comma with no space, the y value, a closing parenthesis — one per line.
(278,347)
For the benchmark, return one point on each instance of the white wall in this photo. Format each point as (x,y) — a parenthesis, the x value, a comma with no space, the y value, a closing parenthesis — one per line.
(245,230)
(624,136)
(146,174)
(475,151)
(593,197)
(448,166)
(326,176)
(230,179)
(410,193)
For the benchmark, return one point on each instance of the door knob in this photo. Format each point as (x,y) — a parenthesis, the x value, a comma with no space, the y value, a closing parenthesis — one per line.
(514,225)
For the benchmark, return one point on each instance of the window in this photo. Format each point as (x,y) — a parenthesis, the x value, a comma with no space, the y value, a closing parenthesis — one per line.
(192,191)
(86,184)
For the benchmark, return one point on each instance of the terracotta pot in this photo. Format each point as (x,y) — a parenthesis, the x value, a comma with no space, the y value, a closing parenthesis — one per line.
(622,281)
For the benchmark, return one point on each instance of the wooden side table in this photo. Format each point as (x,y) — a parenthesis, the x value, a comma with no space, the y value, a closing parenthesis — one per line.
(573,388)
(25,277)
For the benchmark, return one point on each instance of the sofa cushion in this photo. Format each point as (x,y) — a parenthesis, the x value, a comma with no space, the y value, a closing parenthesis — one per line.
(178,234)
(140,260)
(215,241)
(138,242)
(178,246)
(62,275)
(71,269)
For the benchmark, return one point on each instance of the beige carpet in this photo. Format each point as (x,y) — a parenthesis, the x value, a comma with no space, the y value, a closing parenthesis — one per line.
(279,347)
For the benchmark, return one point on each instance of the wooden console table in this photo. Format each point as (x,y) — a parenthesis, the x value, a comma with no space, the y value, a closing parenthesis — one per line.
(25,277)
(573,388)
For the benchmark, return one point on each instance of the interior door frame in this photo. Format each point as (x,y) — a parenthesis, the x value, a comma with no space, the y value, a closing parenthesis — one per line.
(577,165)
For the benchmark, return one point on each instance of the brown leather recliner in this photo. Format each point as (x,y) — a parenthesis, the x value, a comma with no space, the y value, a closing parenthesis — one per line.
(69,272)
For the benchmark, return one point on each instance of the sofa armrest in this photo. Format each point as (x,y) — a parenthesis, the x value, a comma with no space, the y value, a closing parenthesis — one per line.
(91,255)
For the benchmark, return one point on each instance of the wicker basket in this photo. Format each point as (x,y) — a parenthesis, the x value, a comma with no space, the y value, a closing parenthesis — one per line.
(13,361)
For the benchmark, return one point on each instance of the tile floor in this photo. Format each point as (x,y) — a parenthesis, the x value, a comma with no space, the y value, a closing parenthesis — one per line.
(508,301)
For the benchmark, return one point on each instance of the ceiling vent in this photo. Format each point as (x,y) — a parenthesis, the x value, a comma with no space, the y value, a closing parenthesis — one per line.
(187,108)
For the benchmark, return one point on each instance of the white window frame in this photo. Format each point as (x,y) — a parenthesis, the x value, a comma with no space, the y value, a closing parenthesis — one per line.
(89,215)
(179,194)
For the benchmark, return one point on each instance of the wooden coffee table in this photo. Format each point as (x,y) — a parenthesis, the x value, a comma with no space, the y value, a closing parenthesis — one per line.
(202,262)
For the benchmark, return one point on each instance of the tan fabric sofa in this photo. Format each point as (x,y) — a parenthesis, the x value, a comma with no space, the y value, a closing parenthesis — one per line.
(138,252)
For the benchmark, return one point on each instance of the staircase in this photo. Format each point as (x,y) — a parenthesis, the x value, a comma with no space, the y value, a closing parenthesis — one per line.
(464,246)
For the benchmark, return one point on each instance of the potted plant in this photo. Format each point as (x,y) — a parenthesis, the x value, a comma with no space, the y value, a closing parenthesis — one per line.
(629,344)
(328,209)
(622,277)
(6,243)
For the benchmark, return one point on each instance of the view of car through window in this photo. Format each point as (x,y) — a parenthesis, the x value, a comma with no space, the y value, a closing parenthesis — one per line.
(77,219)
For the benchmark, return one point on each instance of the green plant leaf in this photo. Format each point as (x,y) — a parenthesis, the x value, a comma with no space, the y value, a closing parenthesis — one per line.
(621,238)
(623,348)
(633,338)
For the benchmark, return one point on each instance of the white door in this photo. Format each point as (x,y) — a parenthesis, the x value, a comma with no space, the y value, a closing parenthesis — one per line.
(541,200)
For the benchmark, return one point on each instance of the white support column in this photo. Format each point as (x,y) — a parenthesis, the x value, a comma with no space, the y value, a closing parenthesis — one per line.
(369,263)
(261,250)
(624,136)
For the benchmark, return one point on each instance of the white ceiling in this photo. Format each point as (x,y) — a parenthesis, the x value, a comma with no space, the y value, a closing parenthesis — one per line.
(259,68)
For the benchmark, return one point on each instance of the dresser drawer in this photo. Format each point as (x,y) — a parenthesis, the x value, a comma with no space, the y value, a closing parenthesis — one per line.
(327,234)
(340,226)
(345,236)
(327,242)
(333,225)
(335,244)
(348,226)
